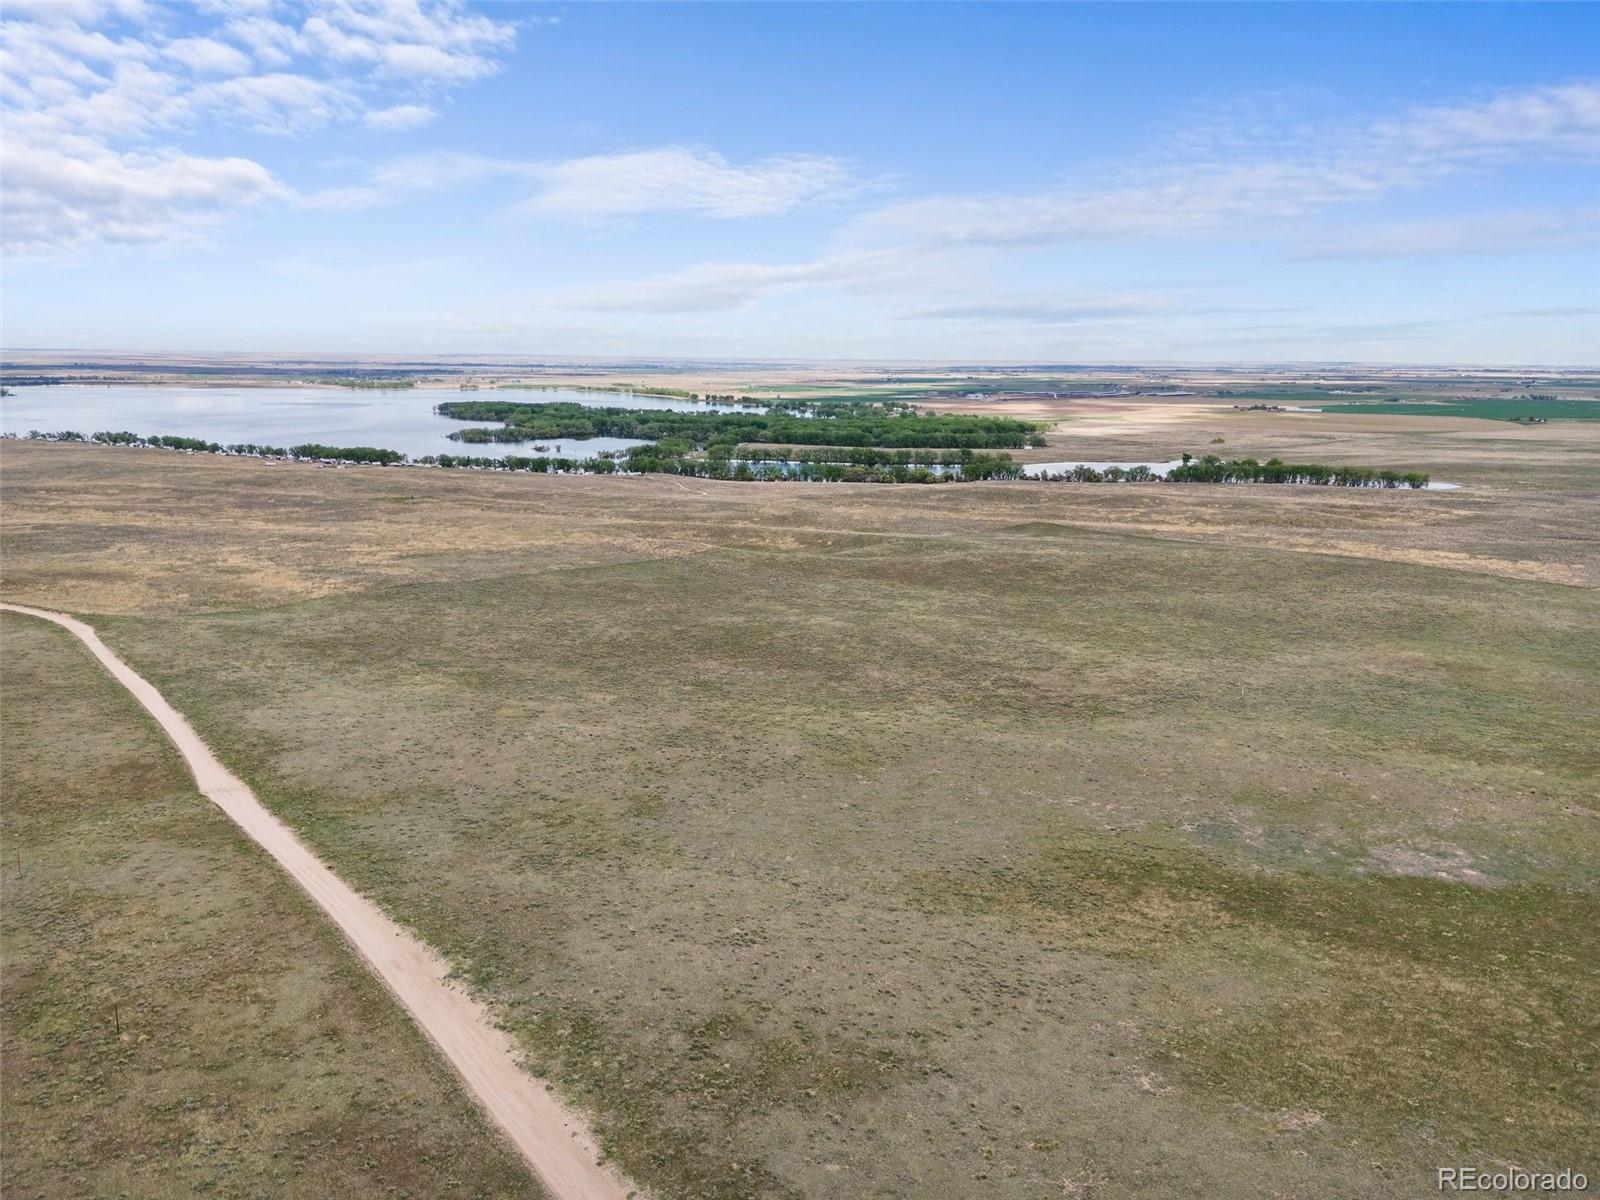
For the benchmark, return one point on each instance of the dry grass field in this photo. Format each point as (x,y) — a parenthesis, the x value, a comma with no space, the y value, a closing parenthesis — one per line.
(1006,840)
(178,1020)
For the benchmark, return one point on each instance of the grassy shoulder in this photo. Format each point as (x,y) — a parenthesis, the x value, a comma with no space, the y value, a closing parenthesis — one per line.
(179,1021)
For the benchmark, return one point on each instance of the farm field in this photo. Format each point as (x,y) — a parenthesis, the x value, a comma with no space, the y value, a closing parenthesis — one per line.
(179,1020)
(992,839)
(1553,408)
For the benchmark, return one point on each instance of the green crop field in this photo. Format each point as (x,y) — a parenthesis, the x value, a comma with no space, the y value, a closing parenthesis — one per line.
(1489,408)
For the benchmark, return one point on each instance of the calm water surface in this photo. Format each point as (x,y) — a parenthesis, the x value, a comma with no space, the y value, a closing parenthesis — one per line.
(402,419)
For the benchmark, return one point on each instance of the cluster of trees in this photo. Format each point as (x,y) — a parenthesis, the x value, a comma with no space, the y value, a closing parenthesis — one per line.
(863,456)
(1212,469)
(635,389)
(991,466)
(641,459)
(374,384)
(538,464)
(830,425)
(1082,473)
(108,437)
(356,454)
(644,389)
(808,472)
(837,466)
(172,442)
(845,464)
(168,441)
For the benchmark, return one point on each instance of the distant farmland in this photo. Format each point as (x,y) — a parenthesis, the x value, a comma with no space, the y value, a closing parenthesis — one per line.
(1490,408)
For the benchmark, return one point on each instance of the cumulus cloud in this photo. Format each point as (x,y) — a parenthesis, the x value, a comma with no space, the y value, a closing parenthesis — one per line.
(97,98)
(75,192)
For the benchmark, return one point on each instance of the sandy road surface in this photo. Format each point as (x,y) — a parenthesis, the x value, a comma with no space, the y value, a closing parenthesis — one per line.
(553,1140)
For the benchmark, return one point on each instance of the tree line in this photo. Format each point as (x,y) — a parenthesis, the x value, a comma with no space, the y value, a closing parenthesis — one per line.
(789,463)
(1212,469)
(865,425)
(167,441)
(864,456)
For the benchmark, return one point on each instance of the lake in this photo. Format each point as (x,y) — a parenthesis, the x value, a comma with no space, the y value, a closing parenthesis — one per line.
(400,419)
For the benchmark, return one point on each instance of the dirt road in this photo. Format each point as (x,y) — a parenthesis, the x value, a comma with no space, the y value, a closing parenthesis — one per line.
(553,1140)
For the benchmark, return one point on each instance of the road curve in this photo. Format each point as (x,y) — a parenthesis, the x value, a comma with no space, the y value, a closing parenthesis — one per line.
(555,1142)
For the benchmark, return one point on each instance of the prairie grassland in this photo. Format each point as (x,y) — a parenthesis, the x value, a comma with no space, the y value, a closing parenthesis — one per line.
(178,1020)
(994,840)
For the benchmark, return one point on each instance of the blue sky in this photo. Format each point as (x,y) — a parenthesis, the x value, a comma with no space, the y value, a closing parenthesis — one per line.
(977,182)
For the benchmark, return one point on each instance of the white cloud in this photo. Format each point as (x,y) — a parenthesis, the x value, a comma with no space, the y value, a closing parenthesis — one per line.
(401,117)
(710,287)
(74,191)
(68,13)
(719,287)
(270,42)
(1490,233)
(441,41)
(1555,121)
(669,179)
(97,99)
(676,179)
(278,103)
(1424,146)
(908,246)
(1046,310)
(432,172)
(207,56)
